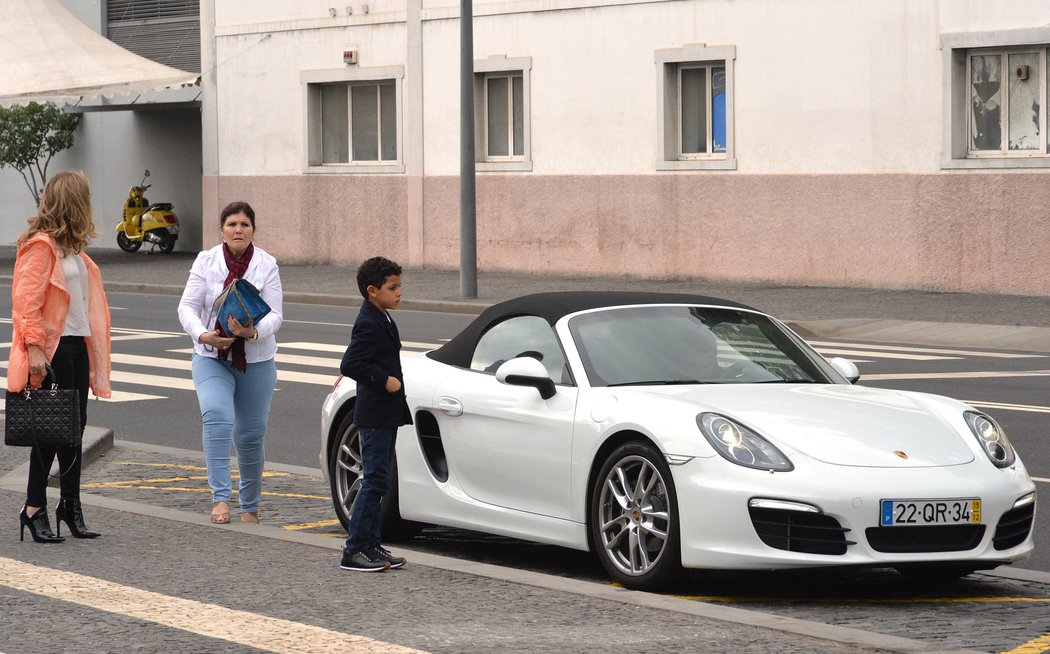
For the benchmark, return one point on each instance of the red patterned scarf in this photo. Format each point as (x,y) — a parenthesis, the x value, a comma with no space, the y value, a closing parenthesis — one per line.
(238,266)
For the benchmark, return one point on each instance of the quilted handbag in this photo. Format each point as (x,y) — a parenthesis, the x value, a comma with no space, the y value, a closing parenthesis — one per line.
(46,417)
(242,301)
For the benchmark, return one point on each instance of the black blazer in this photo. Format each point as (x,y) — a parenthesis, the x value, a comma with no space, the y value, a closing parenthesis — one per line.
(373,355)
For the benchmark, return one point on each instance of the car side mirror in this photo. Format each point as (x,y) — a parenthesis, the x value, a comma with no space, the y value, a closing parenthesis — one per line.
(846,368)
(526,371)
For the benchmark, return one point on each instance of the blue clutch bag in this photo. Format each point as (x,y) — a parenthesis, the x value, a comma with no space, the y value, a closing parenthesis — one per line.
(242,301)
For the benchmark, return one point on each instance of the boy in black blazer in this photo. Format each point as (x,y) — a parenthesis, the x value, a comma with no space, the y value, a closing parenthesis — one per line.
(373,360)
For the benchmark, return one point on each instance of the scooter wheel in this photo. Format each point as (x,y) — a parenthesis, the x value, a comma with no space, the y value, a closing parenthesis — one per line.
(127,244)
(167,241)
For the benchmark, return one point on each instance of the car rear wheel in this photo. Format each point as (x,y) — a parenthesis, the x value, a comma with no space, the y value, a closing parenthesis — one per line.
(345,465)
(634,518)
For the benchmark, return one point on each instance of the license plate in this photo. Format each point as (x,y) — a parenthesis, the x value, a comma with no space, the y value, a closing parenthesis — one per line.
(906,513)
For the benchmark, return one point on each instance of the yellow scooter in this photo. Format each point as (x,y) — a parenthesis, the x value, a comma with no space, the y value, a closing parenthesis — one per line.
(143,222)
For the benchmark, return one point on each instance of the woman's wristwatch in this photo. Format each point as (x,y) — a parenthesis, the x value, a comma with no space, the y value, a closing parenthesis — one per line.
(255,336)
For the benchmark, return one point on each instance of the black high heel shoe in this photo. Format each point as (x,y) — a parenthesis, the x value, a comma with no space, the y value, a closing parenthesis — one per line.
(39,527)
(73,515)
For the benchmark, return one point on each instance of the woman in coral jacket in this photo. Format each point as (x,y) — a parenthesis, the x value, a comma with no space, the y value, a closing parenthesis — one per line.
(59,316)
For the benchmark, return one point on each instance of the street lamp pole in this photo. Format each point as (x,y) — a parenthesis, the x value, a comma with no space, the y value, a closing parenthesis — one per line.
(468,239)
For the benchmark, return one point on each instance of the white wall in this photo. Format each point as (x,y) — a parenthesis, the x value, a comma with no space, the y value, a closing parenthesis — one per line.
(113,148)
(849,86)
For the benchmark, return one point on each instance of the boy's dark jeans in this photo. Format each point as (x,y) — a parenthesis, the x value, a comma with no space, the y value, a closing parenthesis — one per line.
(377,449)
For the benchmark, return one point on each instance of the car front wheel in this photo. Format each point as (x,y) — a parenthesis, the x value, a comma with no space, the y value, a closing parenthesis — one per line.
(634,518)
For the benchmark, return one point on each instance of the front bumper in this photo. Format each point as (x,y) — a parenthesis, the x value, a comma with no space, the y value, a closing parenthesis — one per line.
(720,531)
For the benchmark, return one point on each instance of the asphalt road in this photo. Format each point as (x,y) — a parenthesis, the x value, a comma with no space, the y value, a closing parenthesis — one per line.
(168,548)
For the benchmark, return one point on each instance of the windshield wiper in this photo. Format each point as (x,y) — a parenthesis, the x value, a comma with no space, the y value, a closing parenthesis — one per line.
(660,382)
(789,381)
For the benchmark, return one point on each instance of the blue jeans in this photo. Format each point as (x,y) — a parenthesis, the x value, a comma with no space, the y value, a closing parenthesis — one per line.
(377,450)
(234,407)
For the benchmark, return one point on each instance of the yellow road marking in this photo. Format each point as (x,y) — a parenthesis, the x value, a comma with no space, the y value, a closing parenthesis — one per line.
(182,466)
(311,525)
(209,620)
(844,600)
(1034,646)
(140,484)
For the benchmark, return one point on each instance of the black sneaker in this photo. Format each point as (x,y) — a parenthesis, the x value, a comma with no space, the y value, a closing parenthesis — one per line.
(380,553)
(364,561)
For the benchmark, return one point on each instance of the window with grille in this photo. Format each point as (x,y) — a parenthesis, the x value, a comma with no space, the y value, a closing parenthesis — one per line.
(501,113)
(353,120)
(696,108)
(996,89)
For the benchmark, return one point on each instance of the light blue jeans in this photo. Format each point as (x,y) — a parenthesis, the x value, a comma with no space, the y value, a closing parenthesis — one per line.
(234,407)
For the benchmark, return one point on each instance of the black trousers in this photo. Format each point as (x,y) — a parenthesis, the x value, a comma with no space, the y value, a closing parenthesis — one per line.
(72,370)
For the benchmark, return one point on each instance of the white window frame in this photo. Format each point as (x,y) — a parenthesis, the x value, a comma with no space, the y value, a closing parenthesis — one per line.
(485,69)
(312,82)
(957,49)
(669,64)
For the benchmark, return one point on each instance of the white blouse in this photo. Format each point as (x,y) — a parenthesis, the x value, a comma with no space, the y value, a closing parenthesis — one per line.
(206,282)
(77,284)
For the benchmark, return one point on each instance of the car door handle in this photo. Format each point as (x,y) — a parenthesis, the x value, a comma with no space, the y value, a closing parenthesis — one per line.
(450,406)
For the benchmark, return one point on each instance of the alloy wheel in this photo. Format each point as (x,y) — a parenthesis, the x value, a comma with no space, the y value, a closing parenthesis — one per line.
(634,516)
(346,473)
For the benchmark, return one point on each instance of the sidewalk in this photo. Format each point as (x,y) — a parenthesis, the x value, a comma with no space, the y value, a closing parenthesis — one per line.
(955,319)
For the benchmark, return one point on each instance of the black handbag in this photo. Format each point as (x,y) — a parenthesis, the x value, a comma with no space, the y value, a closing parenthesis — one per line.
(242,301)
(46,417)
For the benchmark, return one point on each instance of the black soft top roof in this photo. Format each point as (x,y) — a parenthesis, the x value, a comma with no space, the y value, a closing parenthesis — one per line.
(552,307)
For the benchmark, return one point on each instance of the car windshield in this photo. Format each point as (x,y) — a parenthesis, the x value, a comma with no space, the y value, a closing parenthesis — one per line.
(656,345)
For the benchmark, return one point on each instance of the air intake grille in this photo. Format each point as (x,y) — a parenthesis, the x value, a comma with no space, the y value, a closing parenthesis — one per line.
(926,538)
(1014,527)
(799,531)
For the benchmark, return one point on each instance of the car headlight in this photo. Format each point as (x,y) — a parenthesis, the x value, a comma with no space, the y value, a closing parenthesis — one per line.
(992,439)
(740,445)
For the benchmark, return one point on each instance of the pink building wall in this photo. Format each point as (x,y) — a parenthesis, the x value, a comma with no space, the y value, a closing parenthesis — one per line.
(971,232)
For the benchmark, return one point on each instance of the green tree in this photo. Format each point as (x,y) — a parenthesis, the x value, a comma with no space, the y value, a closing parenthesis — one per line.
(30,136)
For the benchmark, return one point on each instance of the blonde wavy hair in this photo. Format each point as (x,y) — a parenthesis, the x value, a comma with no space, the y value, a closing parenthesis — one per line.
(64,213)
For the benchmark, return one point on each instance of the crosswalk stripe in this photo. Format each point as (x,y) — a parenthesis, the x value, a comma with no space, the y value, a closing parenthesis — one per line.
(117,396)
(883,355)
(1031,408)
(976,374)
(930,350)
(209,620)
(333,347)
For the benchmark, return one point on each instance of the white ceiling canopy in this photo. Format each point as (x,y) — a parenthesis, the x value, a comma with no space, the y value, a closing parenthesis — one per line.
(47,54)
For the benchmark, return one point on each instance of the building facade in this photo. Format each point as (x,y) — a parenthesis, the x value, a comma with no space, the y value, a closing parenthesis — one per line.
(829,142)
(121,136)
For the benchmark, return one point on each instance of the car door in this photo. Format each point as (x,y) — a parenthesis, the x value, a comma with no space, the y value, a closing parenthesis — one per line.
(507,446)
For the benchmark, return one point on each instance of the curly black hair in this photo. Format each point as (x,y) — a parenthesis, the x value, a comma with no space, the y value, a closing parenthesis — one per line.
(373,272)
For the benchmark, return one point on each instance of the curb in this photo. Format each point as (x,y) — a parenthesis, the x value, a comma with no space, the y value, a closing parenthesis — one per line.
(97,441)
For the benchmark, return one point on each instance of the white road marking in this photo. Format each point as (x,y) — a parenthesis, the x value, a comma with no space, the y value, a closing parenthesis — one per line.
(976,374)
(882,355)
(929,350)
(118,396)
(330,347)
(208,620)
(1031,408)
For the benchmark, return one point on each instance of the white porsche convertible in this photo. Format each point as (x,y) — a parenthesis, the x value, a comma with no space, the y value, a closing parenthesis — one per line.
(667,431)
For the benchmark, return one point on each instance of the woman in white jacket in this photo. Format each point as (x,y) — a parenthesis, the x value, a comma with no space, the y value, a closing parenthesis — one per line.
(234,375)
